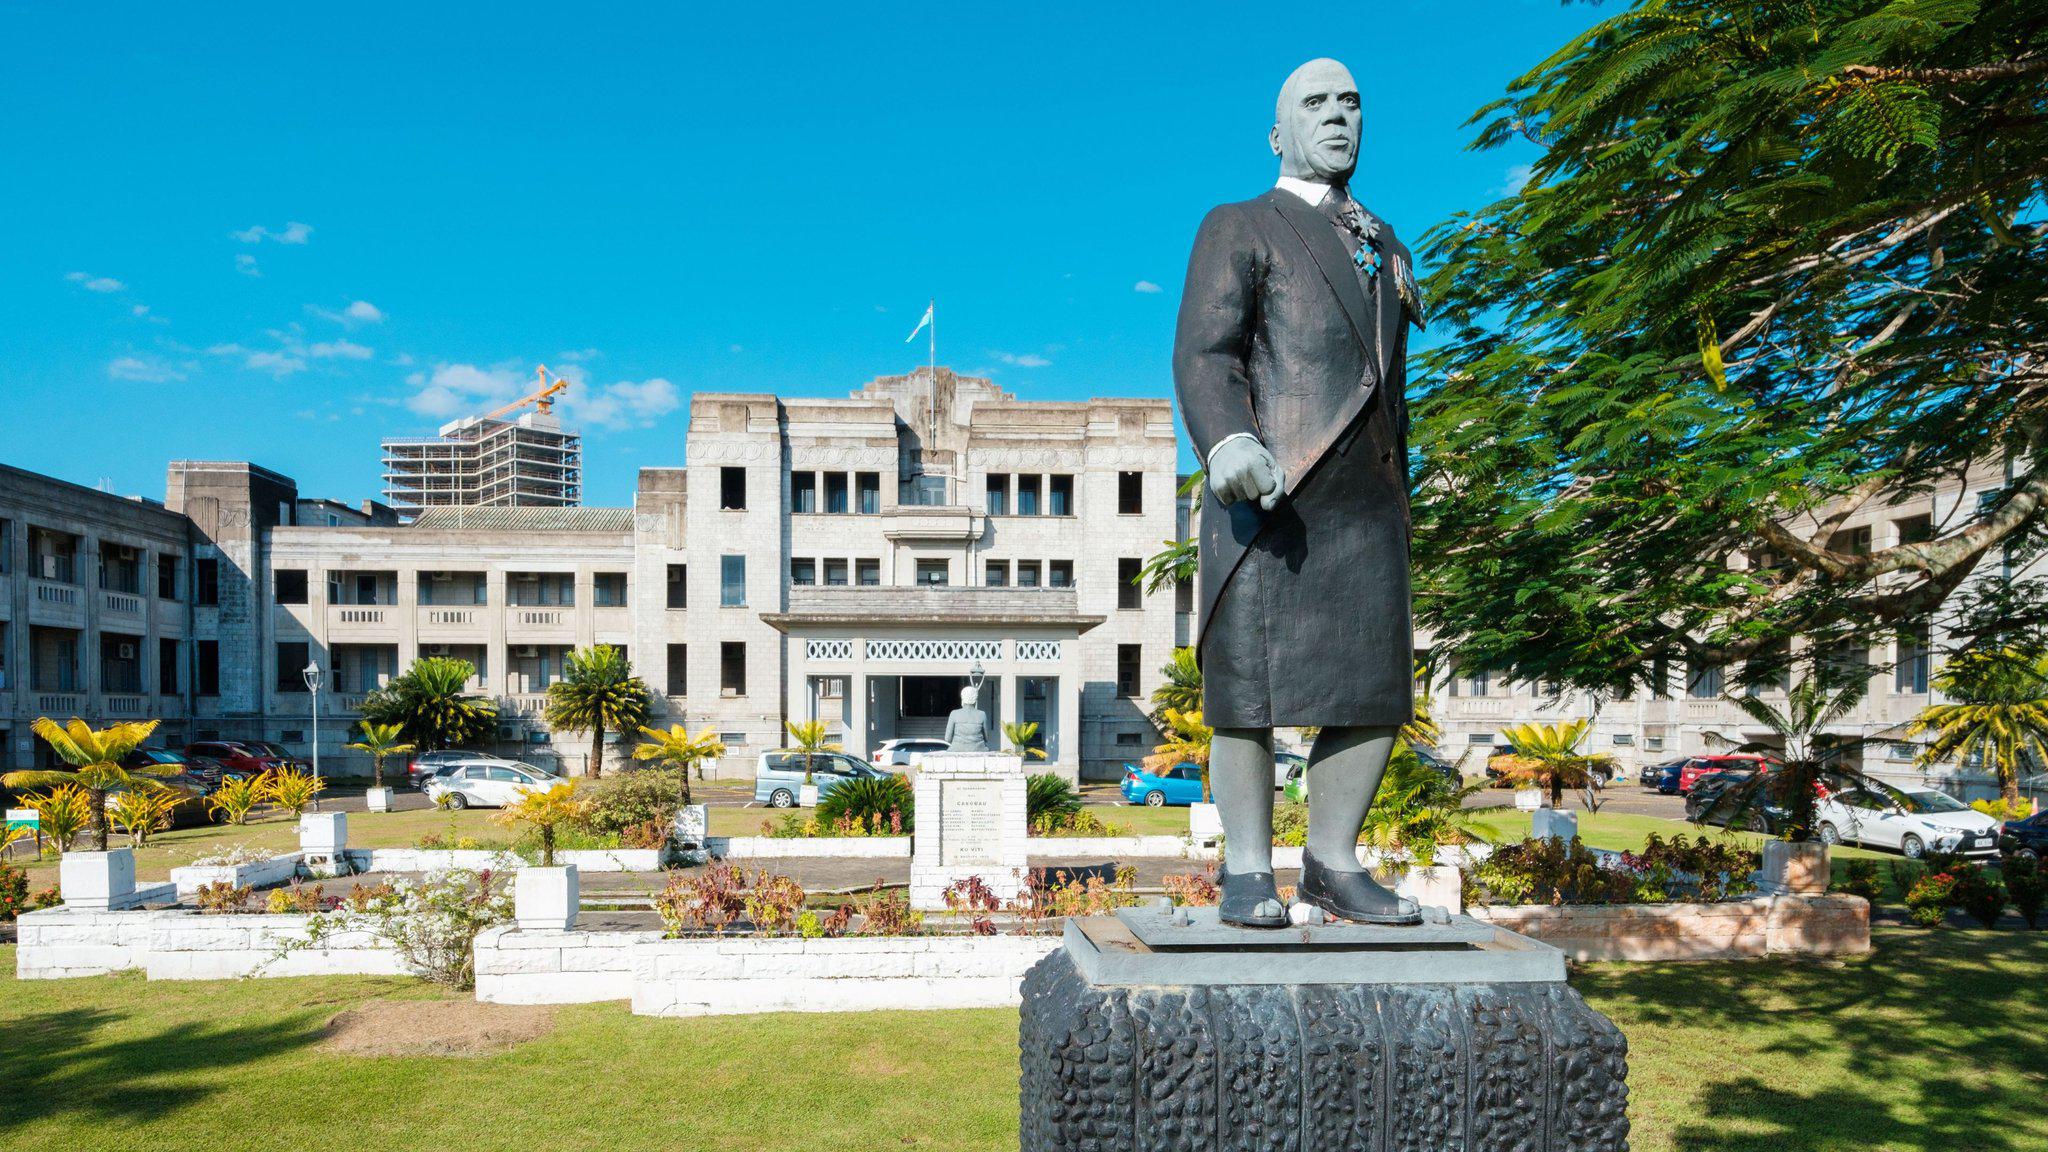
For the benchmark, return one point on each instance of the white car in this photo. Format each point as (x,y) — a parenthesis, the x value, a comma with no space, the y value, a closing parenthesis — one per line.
(487,783)
(1913,822)
(904,751)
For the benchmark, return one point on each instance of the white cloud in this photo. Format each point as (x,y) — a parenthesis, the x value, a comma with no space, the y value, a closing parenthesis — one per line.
(459,389)
(345,349)
(246,265)
(625,404)
(293,233)
(1146,287)
(1021,360)
(279,363)
(1518,179)
(403,360)
(578,355)
(142,371)
(92,283)
(358,312)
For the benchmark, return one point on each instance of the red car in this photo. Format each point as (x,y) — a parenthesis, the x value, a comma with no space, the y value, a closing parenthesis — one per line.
(236,758)
(1700,766)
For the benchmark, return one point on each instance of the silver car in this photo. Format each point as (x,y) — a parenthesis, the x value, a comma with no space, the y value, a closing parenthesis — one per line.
(487,783)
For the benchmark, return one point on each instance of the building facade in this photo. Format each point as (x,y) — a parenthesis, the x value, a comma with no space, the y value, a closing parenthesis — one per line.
(525,462)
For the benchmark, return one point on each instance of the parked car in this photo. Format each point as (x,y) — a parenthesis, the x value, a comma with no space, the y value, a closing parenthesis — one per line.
(272,750)
(1698,766)
(425,765)
(1726,799)
(191,810)
(206,772)
(1877,815)
(1180,784)
(236,759)
(905,751)
(2026,838)
(488,783)
(1663,778)
(1287,766)
(1442,767)
(779,776)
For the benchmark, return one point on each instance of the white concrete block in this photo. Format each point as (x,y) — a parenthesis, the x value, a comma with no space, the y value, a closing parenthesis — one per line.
(97,880)
(378,799)
(323,833)
(1553,823)
(546,897)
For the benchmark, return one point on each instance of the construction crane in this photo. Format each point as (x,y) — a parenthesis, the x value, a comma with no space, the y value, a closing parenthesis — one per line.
(541,398)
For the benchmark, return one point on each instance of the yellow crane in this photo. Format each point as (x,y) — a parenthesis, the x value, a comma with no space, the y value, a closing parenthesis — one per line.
(541,398)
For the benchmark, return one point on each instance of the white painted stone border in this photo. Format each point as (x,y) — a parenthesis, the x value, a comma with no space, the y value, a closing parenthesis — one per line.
(715,977)
(58,943)
(819,847)
(1758,926)
(265,873)
(523,966)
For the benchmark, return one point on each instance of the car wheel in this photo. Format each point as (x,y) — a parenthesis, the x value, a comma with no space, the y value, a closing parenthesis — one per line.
(1828,834)
(1913,847)
(457,801)
(2025,854)
(1155,799)
(1757,823)
(781,798)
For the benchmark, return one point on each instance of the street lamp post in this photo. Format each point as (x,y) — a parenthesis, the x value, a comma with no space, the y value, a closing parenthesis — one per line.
(312,675)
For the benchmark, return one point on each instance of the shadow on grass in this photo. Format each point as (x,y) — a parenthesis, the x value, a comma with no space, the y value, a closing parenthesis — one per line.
(64,1063)
(1864,1033)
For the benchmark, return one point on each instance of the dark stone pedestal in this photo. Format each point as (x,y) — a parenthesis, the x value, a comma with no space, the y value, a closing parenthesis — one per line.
(1456,1037)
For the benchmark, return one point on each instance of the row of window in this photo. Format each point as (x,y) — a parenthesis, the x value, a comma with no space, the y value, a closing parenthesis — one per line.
(1006,493)
(53,556)
(833,572)
(362,668)
(842,492)
(1913,662)
(522,589)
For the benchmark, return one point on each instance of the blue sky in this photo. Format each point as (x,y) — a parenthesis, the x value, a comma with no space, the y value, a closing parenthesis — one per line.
(281,232)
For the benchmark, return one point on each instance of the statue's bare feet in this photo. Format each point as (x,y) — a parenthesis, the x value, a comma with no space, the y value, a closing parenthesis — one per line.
(1353,895)
(1251,900)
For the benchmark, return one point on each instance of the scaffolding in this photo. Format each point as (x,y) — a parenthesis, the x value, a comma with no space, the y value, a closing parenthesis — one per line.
(527,462)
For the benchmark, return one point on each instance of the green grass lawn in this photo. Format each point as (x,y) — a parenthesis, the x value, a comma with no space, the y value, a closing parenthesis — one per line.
(1626,832)
(1932,1042)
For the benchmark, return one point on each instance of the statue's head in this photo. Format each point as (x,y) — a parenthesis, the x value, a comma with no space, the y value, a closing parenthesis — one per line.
(1316,123)
(968,697)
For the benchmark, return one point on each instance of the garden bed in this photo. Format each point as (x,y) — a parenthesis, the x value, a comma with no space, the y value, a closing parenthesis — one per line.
(1732,929)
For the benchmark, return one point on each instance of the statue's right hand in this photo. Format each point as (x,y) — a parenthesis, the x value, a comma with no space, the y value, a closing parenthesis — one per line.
(1241,469)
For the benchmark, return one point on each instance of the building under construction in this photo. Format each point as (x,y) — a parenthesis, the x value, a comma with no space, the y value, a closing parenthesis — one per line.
(493,460)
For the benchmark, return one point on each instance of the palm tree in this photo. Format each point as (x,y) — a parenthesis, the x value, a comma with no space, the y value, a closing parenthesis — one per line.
(1421,731)
(808,738)
(1021,734)
(2000,713)
(1187,741)
(1548,755)
(1180,688)
(380,740)
(1814,703)
(547,810)
(432,704)
(96,759)
(598,692)
(675,745)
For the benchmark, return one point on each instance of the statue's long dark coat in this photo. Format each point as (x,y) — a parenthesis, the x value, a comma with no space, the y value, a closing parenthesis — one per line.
(1304,610)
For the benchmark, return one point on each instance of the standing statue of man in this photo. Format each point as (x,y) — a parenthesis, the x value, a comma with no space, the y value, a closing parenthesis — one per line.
(1288,363)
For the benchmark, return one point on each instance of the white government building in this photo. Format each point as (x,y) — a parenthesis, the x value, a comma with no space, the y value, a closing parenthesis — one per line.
(849,560)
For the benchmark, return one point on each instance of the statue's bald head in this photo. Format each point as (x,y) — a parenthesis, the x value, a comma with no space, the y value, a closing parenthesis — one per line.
(1316,123)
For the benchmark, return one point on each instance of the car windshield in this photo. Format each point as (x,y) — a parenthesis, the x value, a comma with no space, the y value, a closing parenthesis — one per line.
(1932,802)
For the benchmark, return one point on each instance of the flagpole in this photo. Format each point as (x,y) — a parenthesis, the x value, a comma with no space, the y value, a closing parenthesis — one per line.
(931,410)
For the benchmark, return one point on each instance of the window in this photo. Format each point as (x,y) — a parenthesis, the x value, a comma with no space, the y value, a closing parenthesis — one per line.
(1062,496)
(679,669)
(803,571)
(292,658)
(732,668)
(835,573)
(1027,495)
(999,493)
(997,574)
(1127,657)
(206,667)
(166,573)
(166,667)
(933,572)
(1914,529)
(290,584)
(678,585)
(732,489)
(1474,682)
(608,589)
(540,589)
(1854,541)
(1130,493)
(1703,682)
(868,572)
(1128,592)
(868,486)
(453,588)
(1653,743)
(835,492)
(1909,672)
(206,582)
(1624,739)
(732,739)
(1129,739)
(803,492)
(1027,573)
(1059,573)
(732,581)
(1478,737)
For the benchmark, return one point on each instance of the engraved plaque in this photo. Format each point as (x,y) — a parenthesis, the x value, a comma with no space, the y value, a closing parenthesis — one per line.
(970,823)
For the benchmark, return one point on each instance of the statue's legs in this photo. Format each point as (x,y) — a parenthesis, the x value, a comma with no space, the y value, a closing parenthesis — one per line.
(1241,780)
(1344,770)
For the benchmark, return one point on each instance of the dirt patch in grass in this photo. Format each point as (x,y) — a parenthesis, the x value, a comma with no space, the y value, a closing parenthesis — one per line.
(434,1028)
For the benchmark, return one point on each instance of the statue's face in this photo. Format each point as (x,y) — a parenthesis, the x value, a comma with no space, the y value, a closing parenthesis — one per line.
(1316,125)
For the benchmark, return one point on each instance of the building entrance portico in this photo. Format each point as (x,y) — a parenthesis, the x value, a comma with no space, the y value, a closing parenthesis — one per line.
(882,663)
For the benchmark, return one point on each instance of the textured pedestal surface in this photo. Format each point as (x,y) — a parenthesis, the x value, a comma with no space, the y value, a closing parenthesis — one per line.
(1314,1067)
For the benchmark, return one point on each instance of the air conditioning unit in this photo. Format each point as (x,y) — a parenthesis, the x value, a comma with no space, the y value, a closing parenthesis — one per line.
(437,649)
(528,650)
(124,651)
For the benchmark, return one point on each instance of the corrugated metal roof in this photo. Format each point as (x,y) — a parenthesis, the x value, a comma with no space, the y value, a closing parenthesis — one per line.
(489,519)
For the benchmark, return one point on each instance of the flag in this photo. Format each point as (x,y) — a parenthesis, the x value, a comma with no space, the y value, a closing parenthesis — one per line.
(920,324)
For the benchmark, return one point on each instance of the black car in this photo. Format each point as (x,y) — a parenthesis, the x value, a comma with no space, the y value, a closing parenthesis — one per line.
(1440,766)
(2026,838)
(198,769)
(1735,800)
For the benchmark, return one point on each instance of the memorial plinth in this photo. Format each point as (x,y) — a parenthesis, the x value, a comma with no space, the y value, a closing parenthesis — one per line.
(970,823)
(1144,1034)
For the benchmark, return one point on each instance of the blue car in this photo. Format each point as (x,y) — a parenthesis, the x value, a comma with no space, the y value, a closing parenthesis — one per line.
(1180,784)
(1663,778)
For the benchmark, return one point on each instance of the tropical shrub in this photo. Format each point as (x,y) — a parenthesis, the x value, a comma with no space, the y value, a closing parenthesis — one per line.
(1979,894)
(292,790)
(1552,871)
(1189,889)
(869,800)
(236,797)
(598,692)
(722,895)
(1055,895)
(1701,869)
(796,826)
(2026,886)
(13,893)
(674,748)
(144,811)
(2001,811)
(977,900)
(1082,823)
(379,742)
(1930,897)
(62,812)
(1859,878)
(1047,795)
(221,897)
(431,923)
(1290,824)
(773,904)
(626,799)
(546,811)
(648,834)
(886,912)
(432,704)
(297,898)
(95,756)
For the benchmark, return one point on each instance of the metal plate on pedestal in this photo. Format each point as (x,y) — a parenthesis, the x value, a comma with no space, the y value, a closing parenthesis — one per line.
(1205,931)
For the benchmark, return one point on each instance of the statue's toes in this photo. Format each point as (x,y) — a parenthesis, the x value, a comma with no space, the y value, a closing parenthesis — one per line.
(1269,908)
